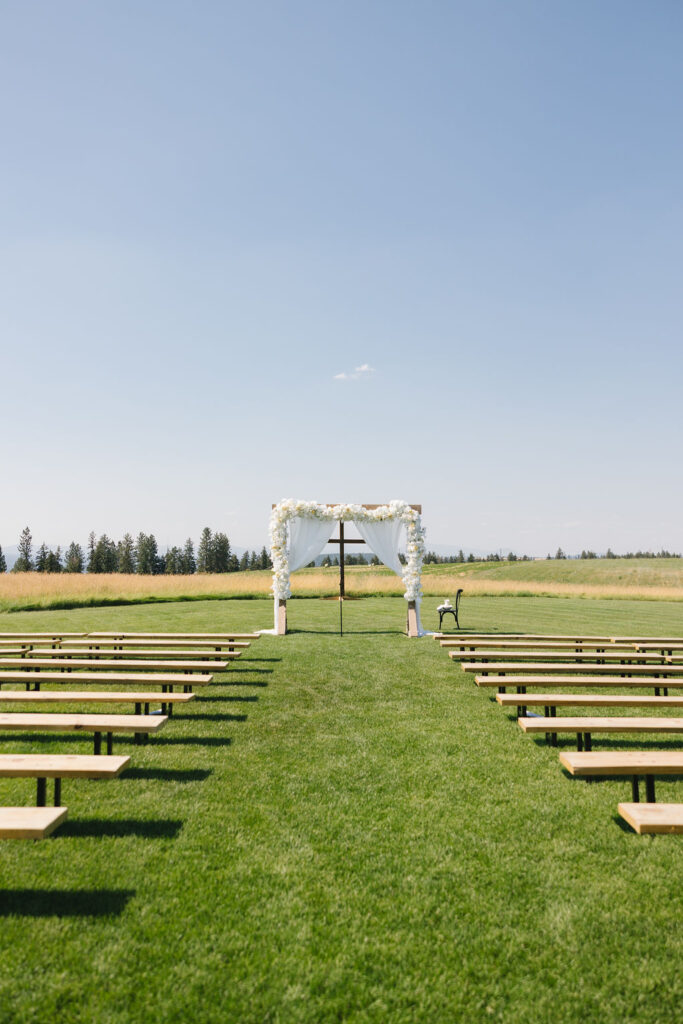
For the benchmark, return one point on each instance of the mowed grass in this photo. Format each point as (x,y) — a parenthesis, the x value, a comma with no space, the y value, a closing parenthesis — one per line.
(342,829)
(655,579)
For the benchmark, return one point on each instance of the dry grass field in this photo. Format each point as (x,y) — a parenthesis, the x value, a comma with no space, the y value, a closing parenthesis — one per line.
(626,579)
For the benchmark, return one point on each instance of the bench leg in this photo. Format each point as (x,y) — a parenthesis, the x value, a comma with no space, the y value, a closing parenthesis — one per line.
(58,792)
(97,743)
(41,788)
(110,742)
(579,741)
(650,788)
(635,792)
(587,741)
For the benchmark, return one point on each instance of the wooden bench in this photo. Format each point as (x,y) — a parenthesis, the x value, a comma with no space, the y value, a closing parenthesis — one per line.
(585,727)
(140,725)
(570,637)
(667,672)
(30,822)
(538,645)
(26,645)
(110,664)
(576,659)
(139,699)
(166,680)
(633,763)
(131,645)
(59,766)
(551,701)
(653,818)
(176,636)
(116,652)
(521,682)
(41,636)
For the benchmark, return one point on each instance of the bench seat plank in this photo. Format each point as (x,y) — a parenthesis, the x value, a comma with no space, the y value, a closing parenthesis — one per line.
(132,644)
(579,681)
(579,646)
(61,766)
(588,700)
(565,661)
(56,722)
(71,664)
(653,818)
(117,652)
(86,678)
(175,636)
(591,724)
(625,762)
(500,668)
(97,697)
(30,822)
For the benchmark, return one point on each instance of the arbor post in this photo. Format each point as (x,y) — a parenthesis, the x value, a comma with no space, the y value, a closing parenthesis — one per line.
(281,626)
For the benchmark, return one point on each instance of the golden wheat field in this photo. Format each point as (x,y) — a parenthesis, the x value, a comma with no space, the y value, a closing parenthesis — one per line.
(635,579)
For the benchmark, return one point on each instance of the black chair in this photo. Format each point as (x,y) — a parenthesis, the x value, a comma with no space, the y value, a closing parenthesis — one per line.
(453,611)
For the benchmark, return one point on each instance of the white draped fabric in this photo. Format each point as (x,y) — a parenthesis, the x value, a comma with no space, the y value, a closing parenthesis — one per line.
(383,538)
(307,538)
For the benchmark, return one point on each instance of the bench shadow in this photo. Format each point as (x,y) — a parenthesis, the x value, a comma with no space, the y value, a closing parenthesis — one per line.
(63,902)
(251,699)
(216,716)
(95,828)
(193,741)
(167,774)
(247,661)
(245,682)
(243,668)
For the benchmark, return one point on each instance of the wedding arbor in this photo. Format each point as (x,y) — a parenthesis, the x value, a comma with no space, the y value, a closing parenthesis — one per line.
(299,530)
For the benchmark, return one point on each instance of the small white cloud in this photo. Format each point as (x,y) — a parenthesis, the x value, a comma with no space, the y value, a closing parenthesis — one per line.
(359,371)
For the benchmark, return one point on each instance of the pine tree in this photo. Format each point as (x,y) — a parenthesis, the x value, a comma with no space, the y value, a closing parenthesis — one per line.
(73,560)
(264,559)
(244,562)
(3,563)
(105,556)
(253,561)
(91,552)
(205,551)
(125,555)
(41,558)
(220,553)
(146,554)
(189,563)
(24,562)
(54,561)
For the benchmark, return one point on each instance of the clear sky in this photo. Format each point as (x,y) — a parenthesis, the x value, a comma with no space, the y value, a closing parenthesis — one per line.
(342,251)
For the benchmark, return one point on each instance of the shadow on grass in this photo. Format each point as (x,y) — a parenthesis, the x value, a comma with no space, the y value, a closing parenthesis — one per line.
(256,671)
(96,828)
(348,632)
(245,682)
(247,661)
(210,717)
(63,902)
(168,774)
(193,741)
(246,699)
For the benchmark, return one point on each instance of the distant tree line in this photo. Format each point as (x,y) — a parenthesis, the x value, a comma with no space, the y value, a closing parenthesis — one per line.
(141,555)
(610,554)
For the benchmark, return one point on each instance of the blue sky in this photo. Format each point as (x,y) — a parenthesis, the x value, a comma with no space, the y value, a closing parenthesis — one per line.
(209,211)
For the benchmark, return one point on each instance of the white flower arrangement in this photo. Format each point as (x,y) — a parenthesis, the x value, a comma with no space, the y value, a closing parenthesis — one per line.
(289,508)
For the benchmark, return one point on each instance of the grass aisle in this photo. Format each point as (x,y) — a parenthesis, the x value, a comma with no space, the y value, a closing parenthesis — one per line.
(345,829)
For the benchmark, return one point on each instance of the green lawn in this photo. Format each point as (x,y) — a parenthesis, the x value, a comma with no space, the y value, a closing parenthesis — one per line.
(344,829)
